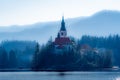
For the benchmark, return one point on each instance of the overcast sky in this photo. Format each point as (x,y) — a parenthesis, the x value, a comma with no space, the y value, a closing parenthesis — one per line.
(21,12)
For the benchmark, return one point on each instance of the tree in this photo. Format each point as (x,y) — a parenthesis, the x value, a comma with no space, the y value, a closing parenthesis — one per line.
(108,59)
(3,58)
(35,57)
(12,59)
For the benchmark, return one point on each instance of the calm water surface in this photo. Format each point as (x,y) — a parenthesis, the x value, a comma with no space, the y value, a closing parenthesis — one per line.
(59,76)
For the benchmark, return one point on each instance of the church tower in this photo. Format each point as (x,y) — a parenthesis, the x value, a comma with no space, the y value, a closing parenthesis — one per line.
(62,32)
(62,41)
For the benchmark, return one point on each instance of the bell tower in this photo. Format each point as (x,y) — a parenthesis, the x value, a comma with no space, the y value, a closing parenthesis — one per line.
(62,40)
(62,32)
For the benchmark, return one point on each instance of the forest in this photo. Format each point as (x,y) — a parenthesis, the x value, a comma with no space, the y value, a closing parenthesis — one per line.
(87,53)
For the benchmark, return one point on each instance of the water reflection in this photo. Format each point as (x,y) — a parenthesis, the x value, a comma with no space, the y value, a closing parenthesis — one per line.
(59,76)
(118,78)
(90,76)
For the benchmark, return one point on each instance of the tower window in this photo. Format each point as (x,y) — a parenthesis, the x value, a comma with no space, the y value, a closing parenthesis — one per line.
(61,33)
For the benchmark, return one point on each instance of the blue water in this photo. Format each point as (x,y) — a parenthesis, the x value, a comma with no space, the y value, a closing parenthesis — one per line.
(59,76)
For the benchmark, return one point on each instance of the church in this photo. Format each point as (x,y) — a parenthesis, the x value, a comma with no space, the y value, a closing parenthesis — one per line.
(62,41)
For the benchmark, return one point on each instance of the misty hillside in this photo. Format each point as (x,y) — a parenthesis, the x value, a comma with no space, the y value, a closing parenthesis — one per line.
(100,24)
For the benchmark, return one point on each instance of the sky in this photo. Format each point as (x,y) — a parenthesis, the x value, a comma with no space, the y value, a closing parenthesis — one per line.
(23,12)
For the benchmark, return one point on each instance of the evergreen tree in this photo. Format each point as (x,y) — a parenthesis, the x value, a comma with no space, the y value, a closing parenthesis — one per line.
(36,58)
(3,58)
(12,59)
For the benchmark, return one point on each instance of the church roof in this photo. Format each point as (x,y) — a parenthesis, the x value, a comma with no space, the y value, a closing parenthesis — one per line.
(62,41)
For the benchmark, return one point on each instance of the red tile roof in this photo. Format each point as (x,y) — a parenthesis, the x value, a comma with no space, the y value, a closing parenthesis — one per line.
(62,41)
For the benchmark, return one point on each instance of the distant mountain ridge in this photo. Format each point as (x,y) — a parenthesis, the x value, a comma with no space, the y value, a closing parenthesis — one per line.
(102,23)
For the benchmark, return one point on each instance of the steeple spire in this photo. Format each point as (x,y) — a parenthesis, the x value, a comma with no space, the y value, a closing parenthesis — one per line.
(63,25)
(62,32)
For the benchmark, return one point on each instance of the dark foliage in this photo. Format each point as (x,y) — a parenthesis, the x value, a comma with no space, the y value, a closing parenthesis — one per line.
(86,54)
(111,43)
(75,58)
(15,55)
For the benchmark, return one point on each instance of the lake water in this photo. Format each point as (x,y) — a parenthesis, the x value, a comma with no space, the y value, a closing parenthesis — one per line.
(59,76)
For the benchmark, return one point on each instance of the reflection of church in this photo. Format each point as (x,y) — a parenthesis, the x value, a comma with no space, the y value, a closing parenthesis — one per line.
(62,41)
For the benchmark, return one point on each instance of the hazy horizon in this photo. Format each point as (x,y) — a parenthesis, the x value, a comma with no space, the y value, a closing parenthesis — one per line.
(32,23)
(26,12)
